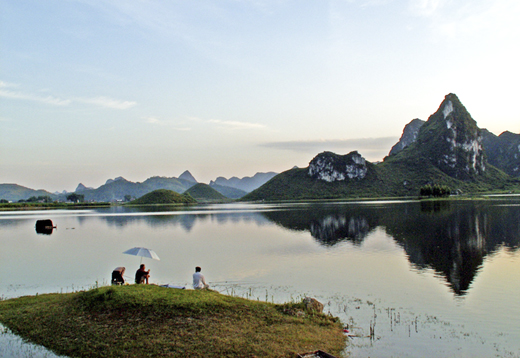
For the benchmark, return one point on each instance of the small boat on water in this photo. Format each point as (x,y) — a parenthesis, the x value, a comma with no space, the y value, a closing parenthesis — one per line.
(45,226)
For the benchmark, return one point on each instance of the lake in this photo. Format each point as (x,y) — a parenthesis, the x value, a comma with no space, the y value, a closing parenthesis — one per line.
(430,279)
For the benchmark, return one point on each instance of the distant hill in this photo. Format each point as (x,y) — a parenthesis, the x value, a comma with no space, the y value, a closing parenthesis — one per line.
(447,150)
(246,184)
(15,192)
(188,177)
(82,187)
(503,151)
(119,188)
(176,184)
(228,191)
(163,196)
(204,193)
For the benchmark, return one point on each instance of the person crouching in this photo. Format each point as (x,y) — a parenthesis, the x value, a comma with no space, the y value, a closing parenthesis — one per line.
(141,275)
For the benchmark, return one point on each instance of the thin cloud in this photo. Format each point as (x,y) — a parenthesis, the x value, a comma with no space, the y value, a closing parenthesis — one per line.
(108,102)
(374,148)
(219,122)
(487,18)
(159,122)
(369,3)
(236,124)
(101,101)
(7,84)
(29,97)
(152,120)
(425,8)
(495,19)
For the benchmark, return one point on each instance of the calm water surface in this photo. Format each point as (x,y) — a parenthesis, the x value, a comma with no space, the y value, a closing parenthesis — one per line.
(432,279)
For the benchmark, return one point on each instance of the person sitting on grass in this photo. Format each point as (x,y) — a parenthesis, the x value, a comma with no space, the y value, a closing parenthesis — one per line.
(198,280)
(141,275)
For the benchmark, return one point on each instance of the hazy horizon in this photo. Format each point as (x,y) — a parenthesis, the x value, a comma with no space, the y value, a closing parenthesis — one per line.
(91,90)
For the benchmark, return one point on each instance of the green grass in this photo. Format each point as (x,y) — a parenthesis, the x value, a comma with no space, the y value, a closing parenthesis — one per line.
(151,321)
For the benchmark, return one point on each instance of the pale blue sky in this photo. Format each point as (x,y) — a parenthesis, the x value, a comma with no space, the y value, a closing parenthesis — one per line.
(92,90)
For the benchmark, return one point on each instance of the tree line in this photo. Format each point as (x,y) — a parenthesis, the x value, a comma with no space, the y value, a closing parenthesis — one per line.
(435,190)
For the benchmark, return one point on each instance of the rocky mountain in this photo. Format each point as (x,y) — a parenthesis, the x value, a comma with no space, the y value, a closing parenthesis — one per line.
(82,187)
(120,189)
(246,184)
(503,151)
(110,181)
(446,150)
(410,133)
(331,167)
(451,141)
(176,184)
(188,177)
(328,176)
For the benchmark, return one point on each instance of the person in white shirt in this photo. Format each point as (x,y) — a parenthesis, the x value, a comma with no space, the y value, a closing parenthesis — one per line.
(198,280)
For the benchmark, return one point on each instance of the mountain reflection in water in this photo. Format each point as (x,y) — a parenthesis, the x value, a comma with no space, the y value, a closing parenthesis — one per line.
(452,238)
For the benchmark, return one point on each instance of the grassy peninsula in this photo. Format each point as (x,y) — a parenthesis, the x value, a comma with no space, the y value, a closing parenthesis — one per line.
(152,321)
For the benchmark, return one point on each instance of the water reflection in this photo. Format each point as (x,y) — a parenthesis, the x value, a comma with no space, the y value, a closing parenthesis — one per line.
(163,217)
(329,224)
(452,242)
(450,237)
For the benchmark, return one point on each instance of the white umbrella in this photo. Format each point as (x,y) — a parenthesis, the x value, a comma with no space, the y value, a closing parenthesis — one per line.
(143,252)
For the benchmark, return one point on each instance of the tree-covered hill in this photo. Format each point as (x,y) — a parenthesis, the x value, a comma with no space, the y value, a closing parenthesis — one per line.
(163,196)
(227,191)
(204,193)
(15,192)
(448,151)
(503,151)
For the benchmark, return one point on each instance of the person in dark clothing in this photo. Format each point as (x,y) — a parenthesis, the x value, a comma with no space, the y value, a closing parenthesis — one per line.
(117,276)
(141,275)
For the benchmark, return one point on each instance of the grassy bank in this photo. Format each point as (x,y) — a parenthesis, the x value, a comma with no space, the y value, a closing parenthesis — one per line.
(151,321)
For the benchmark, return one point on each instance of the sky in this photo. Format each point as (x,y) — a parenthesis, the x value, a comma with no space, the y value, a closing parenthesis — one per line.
(92,90)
